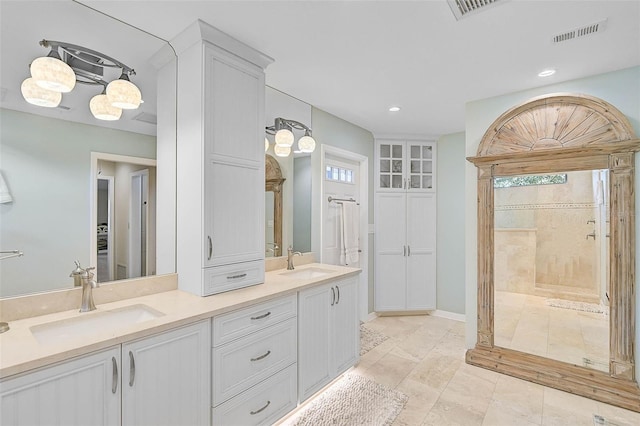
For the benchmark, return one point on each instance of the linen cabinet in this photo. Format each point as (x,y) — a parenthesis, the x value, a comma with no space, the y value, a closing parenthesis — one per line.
(159,380)
(405,236)
(329,333)
(220,162)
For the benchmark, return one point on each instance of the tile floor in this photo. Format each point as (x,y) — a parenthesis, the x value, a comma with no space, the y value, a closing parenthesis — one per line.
(526,323)
(424,358)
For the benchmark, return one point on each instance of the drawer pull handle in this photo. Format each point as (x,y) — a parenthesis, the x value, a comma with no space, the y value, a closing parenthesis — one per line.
(261,356)
(261,316)
(253,413)
(114,384)
(233,277)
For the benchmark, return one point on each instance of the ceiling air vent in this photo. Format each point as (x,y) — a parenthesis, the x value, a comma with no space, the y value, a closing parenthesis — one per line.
(145,117)
(463,8)
(583,31)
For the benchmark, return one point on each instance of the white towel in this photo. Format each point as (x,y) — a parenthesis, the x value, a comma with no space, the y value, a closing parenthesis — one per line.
(349,229)
(5,195)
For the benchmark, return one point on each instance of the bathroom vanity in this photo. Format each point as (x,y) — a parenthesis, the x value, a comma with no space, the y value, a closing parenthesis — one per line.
(231,358)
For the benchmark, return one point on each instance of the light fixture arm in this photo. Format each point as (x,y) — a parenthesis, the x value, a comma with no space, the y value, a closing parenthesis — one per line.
(69,49)
(285,123)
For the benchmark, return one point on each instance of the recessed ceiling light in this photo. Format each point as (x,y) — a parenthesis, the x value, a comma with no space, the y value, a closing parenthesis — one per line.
(394,109)
(546,73)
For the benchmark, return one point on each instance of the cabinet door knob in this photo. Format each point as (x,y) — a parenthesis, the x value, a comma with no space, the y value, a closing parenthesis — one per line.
(132,369)
(114,385)
(333,296)
(261,409)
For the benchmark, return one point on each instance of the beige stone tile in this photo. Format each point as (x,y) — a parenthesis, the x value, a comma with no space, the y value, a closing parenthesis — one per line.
(496,416)
(436,370)
(470,391)
(518,399)
(448,412)
(618,416)
(421,400)
(482,373)
(562,409)
(390,370)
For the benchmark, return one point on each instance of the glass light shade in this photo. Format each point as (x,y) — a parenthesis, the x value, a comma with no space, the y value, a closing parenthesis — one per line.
(53,74)
(282,151)
(36,95)
(124,94)
(284,138)
(306,144)
(266,144)
(102,109)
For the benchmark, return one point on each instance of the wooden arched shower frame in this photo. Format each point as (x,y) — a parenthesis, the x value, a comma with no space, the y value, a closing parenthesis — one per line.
(559,133)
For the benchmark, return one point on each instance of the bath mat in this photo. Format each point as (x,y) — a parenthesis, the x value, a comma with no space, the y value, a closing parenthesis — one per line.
(352,400)
(578,306)
(369,339)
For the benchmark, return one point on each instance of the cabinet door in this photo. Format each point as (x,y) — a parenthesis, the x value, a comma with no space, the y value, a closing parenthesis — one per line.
(391,250)
(83,391)
(314,368)
(421,166)
(166,378)
(345,327)
(421,252)
(390,166)
(234,169)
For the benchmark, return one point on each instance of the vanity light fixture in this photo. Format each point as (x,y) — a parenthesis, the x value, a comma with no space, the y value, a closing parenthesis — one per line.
(547,72)
(53,75)
(284,137)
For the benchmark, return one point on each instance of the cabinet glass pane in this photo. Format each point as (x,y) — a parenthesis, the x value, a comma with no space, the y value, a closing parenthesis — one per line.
(415,166)
(397,151)
(415,181)
(427,152)
(427,166)
(396,181)
(396,166)
(385,151)
(385,181)
(415,151)
(427,182)
(385,165)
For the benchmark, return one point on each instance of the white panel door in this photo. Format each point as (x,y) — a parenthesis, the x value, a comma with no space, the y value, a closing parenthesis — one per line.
(421,249)
(84,391)
(314,368)
(345,328)
(166,378)
(390,261)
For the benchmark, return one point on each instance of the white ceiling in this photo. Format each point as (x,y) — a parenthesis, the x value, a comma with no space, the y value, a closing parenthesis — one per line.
(354,59)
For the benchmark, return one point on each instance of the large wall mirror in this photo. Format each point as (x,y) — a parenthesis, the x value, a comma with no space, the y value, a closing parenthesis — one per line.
(72,177)
(556,248)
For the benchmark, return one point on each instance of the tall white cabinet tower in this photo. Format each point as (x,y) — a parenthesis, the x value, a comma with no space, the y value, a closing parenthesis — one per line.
(220,161)
(405,235)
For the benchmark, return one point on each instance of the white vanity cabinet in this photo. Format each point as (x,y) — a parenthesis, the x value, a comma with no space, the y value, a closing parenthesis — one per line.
(254,358)
(220,162)
(405,207)
(159,380)
(328,333)
(79,392)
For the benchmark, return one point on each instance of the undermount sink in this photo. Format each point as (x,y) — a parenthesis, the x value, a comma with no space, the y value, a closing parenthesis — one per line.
(90,323)
(308,273)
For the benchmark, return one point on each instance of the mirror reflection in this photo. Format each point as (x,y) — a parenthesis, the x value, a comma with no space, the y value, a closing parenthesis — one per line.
(551,266)
(46,153)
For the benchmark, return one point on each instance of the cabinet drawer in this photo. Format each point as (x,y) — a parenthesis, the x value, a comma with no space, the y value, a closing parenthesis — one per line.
(230,277)
(240,364)
(263,404)
(244,321)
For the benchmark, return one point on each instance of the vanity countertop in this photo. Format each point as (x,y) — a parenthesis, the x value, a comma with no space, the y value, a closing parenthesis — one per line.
(20,351)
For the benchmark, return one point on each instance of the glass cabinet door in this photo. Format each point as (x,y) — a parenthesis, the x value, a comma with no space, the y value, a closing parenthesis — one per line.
(391,166)
(421,166)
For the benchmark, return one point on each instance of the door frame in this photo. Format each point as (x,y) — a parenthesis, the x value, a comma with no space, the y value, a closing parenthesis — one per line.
(110,222)
(142,223)
(363,191)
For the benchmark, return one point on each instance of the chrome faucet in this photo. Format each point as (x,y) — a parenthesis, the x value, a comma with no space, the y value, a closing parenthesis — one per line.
(88,284)
(290,254)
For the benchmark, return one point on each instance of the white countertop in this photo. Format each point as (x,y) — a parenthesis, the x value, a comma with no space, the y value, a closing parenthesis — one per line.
(20,351)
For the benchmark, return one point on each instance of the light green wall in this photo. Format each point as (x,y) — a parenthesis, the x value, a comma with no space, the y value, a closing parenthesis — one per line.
(450,217)
(47,165)
(620,88)
(331,130)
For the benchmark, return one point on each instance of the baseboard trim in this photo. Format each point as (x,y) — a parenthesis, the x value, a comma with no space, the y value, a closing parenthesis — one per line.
(371,316)
(449,315)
